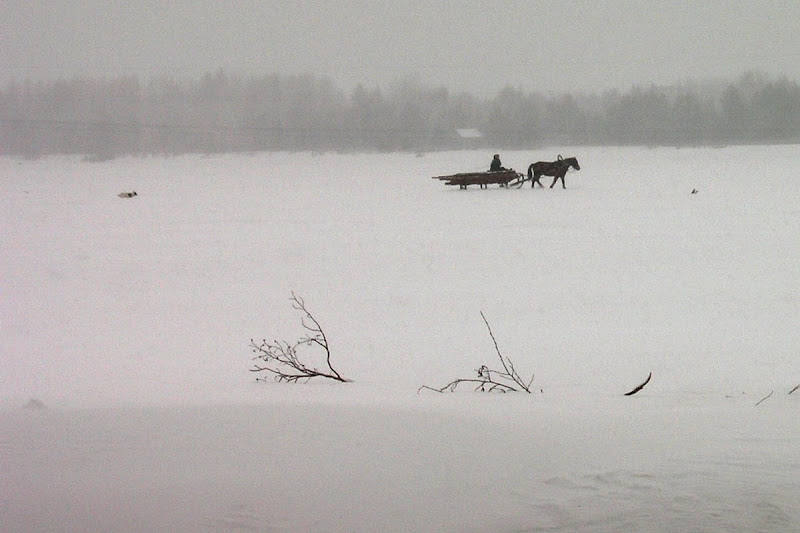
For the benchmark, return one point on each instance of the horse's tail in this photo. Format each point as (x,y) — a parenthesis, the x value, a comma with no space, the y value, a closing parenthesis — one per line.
(530,171)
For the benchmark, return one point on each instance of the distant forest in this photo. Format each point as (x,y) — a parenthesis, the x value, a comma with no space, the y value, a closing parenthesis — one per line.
(217,113)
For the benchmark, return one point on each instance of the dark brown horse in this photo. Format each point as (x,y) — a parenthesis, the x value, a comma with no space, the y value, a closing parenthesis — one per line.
(558,169)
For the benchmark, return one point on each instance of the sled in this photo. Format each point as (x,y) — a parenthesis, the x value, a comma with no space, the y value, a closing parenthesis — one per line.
(503,178)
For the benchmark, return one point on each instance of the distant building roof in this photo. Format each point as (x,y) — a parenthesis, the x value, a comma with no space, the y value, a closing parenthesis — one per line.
(469,133)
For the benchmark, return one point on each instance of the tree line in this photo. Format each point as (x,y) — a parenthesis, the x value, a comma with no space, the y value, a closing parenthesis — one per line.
(106,118)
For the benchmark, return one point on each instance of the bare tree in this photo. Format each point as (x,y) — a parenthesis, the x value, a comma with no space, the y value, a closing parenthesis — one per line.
(281,358)
(490,380)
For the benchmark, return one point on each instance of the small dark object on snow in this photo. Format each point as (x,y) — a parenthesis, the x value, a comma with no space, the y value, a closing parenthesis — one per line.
(694,191)
(640,387)
(127,194)
(764,398)
(34,405)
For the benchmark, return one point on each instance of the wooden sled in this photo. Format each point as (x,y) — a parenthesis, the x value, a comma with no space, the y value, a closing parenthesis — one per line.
(503,178)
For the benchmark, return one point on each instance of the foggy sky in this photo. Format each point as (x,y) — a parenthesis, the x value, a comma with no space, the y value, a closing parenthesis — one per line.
(472,45)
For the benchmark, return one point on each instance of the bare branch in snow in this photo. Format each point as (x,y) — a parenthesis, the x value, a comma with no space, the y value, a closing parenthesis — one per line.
(490,380)
(281,358)
(764,398)
(640,387)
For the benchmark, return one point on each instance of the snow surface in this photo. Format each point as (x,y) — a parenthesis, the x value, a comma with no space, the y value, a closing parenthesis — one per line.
(126,401)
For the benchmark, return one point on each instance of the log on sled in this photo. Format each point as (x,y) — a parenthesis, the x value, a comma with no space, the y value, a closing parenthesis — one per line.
(503,178)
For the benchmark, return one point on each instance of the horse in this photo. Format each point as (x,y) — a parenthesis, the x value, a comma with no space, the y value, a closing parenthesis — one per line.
(558,169)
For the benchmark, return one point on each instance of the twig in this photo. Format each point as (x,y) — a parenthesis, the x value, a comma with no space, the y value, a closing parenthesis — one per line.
(318,337)
(483,385)
(281,358)
(794,389)
(507,364)
(640,387)
(490,380)
(765,397)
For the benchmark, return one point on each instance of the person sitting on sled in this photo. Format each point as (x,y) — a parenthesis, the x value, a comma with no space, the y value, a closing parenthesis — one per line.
(496,165)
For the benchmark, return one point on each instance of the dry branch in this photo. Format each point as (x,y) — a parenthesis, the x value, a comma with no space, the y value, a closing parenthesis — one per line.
(640,387)
(764,398)
(510,372)
(794,389)
(483,385)
(489,380)
(281,358)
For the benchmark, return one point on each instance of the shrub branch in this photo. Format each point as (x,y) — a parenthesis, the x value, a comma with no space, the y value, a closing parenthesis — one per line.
(640,387)
(764,398)
(282,359)
(489,380)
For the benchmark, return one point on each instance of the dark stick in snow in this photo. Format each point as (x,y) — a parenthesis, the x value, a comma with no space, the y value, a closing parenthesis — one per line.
(640,387)
(765,397)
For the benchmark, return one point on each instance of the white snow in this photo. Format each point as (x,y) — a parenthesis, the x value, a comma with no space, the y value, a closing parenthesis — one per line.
(129,319)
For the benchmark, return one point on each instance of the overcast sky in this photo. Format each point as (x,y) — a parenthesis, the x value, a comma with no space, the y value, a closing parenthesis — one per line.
(473,45)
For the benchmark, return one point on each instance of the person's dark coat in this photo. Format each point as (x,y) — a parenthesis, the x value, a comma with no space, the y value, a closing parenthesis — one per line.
(496,165)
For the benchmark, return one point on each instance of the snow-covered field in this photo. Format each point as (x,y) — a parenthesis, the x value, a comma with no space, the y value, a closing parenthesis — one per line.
(130,320)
